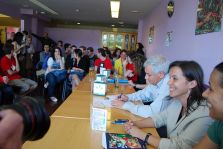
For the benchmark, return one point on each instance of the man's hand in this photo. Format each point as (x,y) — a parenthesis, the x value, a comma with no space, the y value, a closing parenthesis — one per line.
(123,97)
(11,128)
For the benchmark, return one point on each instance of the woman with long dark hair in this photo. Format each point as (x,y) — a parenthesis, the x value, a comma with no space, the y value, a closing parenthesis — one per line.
(186,118)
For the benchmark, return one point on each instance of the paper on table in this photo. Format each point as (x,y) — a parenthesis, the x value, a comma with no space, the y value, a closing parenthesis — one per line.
(101,102)
(98,119)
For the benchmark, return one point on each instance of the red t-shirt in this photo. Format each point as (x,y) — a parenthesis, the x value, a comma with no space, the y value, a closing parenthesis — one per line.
(1,79)
(132,67)
(107,63)
(7,64)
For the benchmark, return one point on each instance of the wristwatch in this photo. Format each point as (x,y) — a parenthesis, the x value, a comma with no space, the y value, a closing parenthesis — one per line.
(147,137)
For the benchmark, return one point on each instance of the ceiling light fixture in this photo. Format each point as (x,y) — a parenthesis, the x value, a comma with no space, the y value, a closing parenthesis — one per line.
(41,5)
(115,5)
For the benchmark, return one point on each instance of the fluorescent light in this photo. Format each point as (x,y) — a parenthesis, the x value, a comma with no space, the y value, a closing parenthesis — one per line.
(115,5)
(41,5)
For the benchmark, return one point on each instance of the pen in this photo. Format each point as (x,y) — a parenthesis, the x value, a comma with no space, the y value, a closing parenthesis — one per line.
(120,121)
(120,96)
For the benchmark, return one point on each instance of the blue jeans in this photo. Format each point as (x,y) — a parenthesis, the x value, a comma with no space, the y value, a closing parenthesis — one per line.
(53,81)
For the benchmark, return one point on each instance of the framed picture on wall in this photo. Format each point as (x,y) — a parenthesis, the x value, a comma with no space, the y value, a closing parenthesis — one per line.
(151,34)
(209,13)
(169,38)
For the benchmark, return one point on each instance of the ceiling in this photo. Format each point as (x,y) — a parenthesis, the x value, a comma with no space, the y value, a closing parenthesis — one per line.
(94,12)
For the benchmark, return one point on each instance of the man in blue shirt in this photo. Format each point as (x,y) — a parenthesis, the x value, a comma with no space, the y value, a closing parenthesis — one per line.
(214,95)
(156,68)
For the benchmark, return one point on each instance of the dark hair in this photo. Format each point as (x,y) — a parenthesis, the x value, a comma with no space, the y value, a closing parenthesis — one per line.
(66,45)
(25,32)
(192,71)
(8,47)
(123,51)
(90,49)
(53,51)
(138,60)
(74,46)
(108,54)
(78,52)
(102,51)
(18,38)
(83,47)
(219,68)
(36,119)
(115,52)
(140,45)
(60,41)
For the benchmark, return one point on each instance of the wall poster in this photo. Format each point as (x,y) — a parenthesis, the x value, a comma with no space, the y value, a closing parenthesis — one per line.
(209,13)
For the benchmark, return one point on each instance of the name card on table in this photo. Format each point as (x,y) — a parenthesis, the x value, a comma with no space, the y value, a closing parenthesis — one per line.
(98,119)
(107,73)
(99,88)
(100,78)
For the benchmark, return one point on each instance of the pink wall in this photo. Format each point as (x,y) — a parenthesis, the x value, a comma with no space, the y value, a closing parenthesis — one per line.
(76,36)
(206,49)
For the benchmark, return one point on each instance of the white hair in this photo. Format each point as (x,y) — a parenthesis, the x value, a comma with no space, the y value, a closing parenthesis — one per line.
(158,63)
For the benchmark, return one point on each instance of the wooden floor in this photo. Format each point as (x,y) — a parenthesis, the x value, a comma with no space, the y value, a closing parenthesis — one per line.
(49,105)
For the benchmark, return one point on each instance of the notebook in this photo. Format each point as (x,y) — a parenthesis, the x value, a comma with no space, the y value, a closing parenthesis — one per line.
(121,141)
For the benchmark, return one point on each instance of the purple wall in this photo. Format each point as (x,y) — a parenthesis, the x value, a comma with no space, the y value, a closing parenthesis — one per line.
(7,9)
(206,49)
(76,36)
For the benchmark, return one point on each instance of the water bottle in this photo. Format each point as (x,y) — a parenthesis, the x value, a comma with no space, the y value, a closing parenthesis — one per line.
(101,68)
(116,79)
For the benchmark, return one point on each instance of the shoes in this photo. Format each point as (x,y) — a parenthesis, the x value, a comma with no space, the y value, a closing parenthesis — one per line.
(46,85)
(54,99)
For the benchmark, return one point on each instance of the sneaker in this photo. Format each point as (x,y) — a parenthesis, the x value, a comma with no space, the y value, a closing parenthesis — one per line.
(46,85)
(54,99)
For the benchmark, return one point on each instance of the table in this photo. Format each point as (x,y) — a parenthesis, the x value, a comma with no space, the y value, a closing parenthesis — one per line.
(70,123)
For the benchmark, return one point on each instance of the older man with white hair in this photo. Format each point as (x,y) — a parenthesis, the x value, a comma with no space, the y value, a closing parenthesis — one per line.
(156,69)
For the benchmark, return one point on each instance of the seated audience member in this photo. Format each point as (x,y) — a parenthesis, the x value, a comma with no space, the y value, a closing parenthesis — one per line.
(6,91)
(78,69)
(85,57)
(102,61)
(214,137)
(42,64)
(120,64)
(139,48)
(92,56)
(10,67)
(138,60)
(108,54)
(67,48)
(61,46)
(131,72)
(116,54)
(186,118)
(67,56)
(55,73)
(156,68)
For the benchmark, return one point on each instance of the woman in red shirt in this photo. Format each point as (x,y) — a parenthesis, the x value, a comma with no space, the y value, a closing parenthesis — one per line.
(131,72)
